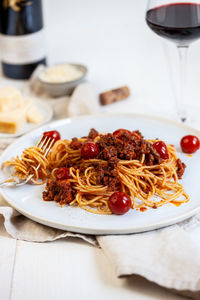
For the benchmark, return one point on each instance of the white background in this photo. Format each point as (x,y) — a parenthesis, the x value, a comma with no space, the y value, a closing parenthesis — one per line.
(112,39)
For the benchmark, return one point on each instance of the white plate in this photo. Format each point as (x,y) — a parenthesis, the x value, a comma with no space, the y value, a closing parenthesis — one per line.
(45,110)
(28,199)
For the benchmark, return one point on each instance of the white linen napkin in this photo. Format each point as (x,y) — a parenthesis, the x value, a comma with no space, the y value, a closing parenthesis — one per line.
(169,257)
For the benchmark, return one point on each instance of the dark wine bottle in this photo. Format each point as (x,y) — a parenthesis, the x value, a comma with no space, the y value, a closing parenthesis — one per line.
(22,43)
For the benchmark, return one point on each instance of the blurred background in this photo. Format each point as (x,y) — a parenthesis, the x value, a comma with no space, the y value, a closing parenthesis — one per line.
(113,40)
(111,37)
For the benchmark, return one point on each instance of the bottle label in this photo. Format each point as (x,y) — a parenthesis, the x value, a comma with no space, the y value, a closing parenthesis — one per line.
(23,49)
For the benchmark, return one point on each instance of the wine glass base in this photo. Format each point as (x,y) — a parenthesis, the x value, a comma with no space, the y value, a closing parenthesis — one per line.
(183,119)
(183,116)
(192,117)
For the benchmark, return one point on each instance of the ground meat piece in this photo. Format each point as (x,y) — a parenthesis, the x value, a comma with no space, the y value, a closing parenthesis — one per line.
(137,133)
(124,135)
(107,175)
(75,144)
(48,194)
(126,152)
(93,133)
(180,168)
(113,183)
(127,147)
(113,162)
(108,152)
(59,191)
(106,140)
(154,206)
(151,156)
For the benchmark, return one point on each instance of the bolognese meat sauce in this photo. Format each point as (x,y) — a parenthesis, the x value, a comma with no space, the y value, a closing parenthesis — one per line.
(122,144)
(59,191)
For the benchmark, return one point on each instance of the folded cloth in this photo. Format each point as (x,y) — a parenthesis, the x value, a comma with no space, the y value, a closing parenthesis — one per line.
(169,257)
(21,228)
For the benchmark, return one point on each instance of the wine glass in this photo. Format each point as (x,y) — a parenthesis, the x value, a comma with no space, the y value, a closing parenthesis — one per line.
(179,22)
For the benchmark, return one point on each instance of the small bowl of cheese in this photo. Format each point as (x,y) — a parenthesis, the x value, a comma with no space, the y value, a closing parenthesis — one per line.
(61,79)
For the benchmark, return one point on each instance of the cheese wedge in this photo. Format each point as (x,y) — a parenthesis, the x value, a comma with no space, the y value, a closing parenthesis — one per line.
(12,121)
(33,115)
(10,98)
(15,111)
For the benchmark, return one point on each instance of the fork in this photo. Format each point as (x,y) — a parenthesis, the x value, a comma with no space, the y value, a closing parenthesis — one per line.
(44,144)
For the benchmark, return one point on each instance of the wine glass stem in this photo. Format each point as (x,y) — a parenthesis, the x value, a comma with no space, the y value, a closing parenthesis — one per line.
(180,102)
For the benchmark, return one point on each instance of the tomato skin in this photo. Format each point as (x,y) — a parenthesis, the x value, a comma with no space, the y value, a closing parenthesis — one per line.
(53,134)
(117,133)
(119,203)
(121,133)
(89,150)
(161,149)
(63,173)
(190,144)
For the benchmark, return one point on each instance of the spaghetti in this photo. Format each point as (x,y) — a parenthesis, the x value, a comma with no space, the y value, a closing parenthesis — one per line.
(27,164)
(124,162)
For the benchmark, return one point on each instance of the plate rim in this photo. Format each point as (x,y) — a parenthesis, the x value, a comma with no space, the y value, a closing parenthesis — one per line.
(89,230)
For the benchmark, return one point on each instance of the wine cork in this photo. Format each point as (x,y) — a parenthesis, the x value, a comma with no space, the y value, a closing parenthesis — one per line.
(114,95)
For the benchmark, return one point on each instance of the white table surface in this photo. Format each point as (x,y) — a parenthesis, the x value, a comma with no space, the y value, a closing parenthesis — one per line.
(112,39)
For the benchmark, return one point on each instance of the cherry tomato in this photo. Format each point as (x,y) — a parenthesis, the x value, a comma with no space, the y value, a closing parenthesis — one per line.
(190,144)
(89,150)
(63,173)
(119,132)
(161,149)
(119,203)
(54,134)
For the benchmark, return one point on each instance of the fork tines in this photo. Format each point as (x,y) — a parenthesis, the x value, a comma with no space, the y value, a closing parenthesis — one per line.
(45,143)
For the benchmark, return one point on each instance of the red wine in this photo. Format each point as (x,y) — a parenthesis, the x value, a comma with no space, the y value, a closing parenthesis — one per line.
(179,22)
(22,37)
